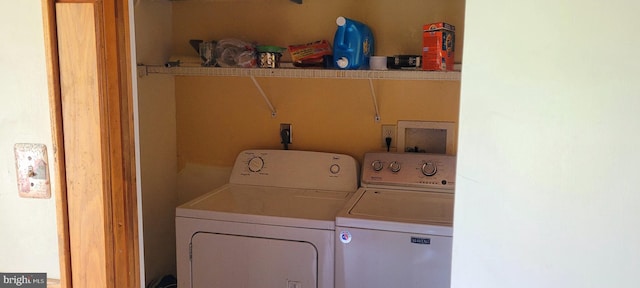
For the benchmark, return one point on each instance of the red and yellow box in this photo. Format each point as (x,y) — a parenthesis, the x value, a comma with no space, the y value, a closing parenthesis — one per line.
(438,46)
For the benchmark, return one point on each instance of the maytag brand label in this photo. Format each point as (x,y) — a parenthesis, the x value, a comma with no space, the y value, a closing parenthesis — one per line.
(345,237)
(23,280)
(417,240)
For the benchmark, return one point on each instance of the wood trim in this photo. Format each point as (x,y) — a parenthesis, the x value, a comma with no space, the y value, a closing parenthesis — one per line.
(83,139)
(79,1)
(53,78)
(119,102)
(91,99)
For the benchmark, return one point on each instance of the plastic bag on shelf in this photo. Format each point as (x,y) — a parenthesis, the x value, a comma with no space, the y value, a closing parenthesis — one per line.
(206,51)
(235,53)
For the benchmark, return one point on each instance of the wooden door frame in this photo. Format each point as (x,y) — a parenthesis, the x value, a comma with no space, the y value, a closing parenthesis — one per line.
(120,217)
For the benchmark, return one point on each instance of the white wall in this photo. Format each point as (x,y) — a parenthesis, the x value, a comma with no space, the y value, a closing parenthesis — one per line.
(548,193)
(28,241)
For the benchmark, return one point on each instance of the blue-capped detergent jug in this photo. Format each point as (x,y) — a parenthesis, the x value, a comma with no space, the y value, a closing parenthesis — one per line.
(352,45)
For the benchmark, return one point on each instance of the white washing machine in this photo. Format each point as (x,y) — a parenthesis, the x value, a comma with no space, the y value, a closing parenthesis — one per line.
(396,231)
(272,225)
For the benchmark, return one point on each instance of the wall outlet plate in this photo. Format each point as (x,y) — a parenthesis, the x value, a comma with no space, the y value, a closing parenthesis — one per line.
(389,130)
(32,169)
(287,126)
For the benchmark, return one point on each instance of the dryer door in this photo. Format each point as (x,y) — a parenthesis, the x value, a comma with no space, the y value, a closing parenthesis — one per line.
(223,260)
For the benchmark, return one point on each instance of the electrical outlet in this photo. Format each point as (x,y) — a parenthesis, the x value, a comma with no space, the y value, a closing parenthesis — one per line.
(389,131)
(286,126)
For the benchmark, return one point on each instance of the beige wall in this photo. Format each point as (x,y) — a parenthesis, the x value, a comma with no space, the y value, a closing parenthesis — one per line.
(157,134)
(218,117)
(548,188)
(189,142)
(28,241)
(396,25)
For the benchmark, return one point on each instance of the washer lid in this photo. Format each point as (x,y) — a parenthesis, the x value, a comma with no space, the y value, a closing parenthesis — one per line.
(399,210)
(306,208)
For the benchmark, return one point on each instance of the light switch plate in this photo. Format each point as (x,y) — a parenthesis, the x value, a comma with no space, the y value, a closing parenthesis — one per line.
(32,169)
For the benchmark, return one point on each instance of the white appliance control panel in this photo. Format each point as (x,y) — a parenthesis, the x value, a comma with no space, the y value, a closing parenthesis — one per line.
(418,170)
(296,169)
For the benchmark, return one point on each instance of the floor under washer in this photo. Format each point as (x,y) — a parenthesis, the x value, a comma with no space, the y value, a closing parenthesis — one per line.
(272,225)
(396,231)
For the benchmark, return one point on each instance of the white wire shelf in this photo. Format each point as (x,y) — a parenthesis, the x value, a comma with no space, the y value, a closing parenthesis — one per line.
(301,73)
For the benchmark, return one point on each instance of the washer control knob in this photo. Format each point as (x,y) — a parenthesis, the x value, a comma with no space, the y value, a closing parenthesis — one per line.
(334,169)
(429,169)
(256,164)
(377,165)
(395,167)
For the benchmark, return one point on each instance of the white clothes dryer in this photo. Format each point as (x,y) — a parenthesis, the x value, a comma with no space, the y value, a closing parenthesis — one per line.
(396,231)
(272,225)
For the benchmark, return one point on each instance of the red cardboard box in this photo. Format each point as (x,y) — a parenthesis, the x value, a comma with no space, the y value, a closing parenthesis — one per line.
(438,46)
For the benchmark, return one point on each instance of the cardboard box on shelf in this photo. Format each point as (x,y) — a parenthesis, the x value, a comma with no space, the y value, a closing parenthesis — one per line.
(438,46)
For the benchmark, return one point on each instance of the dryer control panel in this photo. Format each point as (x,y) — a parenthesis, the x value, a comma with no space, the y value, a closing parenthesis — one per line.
(296,169)
(420,170)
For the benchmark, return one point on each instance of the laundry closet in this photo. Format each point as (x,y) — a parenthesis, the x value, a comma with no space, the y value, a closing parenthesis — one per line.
(194,124)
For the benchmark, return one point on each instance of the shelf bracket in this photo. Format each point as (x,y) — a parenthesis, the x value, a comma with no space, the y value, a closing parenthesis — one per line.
(142,70)
(266,99)
(375,101)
